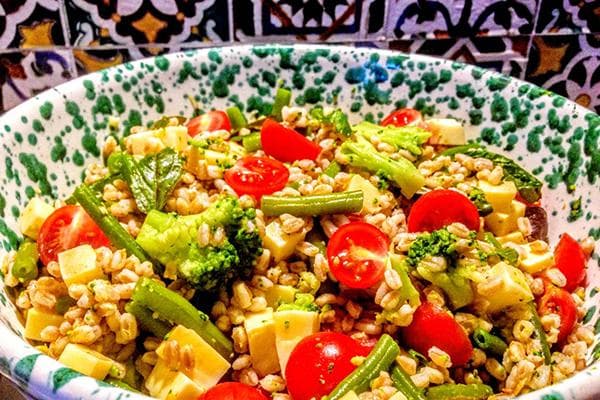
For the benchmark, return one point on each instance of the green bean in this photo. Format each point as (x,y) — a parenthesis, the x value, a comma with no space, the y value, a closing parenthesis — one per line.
(381,357)
(115,232)
(314,204)
(25,267)
(236,118)
(120,384)
(170,306)
(405,385)
(486,341)
(282,99)
(63,303)
(147,321)
(252,142)
(541,334)
(475,391)
(333,169)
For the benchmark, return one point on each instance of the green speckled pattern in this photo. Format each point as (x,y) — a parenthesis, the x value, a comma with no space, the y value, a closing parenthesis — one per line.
(46,142)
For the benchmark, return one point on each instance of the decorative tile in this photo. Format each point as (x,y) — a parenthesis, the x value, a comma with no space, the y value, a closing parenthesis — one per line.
(30,23)
(432,18)
(568,65)
(504,54)
(569,16)
(27,73)
(127,22)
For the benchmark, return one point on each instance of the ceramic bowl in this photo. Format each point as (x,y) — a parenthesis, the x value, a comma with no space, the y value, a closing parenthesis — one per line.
(46,141)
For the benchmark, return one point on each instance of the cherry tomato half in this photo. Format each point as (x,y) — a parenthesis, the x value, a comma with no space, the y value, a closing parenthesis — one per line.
(439,208)
(286,144)
(319,363)
(209,122)
(402,117)
(67,227)
(257,176)
(232,391)
(570,260)
(559,301)
(357,253)
(433,326)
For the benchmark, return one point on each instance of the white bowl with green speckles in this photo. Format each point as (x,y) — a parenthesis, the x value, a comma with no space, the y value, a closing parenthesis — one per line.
(46,141)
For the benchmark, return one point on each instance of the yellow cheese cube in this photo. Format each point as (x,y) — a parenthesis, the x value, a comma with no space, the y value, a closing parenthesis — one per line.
(78,265)
(33,216)
(280,294)
(143,143)
(370,193)
(209,365)
(510,290)
(37,320)
(499,196)
(260,328)
(291,326)
(513,237)
(446,131)
(500,223)
(534,262)
(351,395)
(281,244)
(86,361)
(175,137)
(169,384)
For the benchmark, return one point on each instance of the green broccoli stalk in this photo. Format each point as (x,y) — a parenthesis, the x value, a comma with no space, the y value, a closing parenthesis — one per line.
(453,282)
(362,154)
(408,292)
(404,137)
(302,302)
(172,240)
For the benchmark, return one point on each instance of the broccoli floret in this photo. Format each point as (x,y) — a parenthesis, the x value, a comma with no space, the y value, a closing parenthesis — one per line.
(362,154)
(173,241)
(437,243)
(410,138)
(302,302)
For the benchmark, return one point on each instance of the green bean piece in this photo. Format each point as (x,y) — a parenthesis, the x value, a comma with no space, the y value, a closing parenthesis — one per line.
(120,384)
(63,303)
(282,99)
(25,266)
(115,232)
(236,118)
(145,317)
(381,357)
(333,169)
(405,385)
(252,142)
(541,334)
(475,391)
(170,306)
(314,204)
(488,342)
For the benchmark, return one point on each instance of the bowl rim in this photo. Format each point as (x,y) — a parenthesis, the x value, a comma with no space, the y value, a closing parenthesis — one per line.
(36,385)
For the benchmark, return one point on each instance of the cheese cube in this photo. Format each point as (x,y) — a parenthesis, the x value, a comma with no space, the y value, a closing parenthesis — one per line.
(209,365)
(175,137)
(291,326)
(78,265)
(281,244)
(370,193)
(37,320)
(260,328)
(33,216)
(534,262)
(277,295)
(351,395)
(446,131)
(143,143)
(500,223)
(86,361)
(169,384)
(499,196)
(512,288)
(513,237)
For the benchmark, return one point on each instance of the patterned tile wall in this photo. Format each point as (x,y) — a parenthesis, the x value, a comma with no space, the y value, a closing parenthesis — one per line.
(553,43)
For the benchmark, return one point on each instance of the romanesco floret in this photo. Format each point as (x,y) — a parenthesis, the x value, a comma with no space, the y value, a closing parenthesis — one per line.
(173,241)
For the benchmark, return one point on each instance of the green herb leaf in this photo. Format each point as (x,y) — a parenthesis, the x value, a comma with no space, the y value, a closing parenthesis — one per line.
(507,254)
(164,121)
(478,198)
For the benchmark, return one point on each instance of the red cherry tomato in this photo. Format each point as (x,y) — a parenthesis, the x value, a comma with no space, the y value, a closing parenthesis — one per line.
(257,176)
(357,253)
(232,391)
(570,260)
(439,208)
(319,363)
(65,228)
(402,117)
(209,122)
(432,326)
(559,301)
(286,144)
